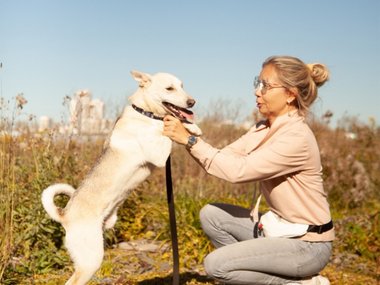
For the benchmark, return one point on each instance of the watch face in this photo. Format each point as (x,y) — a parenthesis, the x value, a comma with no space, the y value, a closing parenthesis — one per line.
(192,140)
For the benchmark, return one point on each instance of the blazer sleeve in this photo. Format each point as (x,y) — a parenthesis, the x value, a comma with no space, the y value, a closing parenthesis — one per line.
(284,155)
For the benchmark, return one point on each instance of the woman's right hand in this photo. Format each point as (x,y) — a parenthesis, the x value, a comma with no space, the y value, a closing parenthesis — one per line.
(174,129)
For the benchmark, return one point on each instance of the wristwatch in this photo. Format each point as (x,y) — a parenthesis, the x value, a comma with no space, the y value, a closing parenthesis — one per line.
(192,140)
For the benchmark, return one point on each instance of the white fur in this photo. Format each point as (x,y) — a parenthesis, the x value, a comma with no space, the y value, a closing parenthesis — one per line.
(135,147)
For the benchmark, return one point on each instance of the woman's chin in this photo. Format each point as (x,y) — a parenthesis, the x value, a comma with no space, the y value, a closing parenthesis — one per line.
(263,111)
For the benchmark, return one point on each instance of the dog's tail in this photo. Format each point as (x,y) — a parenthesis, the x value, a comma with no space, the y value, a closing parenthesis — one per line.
(47,198)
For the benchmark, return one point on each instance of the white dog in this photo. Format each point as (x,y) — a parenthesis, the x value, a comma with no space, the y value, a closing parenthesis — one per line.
(135,147)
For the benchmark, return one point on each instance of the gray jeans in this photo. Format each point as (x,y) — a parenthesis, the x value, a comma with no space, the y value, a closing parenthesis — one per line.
(241,259)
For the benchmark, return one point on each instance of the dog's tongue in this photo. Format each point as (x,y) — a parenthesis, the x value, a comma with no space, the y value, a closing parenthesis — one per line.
(180,113)
(189,116)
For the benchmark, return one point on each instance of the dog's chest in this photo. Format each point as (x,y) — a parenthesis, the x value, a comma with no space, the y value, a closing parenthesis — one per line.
(131,133)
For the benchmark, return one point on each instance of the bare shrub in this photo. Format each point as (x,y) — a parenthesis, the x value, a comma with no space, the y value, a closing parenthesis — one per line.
(350,157)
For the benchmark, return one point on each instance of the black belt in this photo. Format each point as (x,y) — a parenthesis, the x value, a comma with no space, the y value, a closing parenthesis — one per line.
(321,229)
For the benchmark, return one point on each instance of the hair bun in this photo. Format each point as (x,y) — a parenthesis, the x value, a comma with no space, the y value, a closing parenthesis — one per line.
(319,73)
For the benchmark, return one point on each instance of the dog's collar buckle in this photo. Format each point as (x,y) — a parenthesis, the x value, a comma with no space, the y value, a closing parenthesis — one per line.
(147,113)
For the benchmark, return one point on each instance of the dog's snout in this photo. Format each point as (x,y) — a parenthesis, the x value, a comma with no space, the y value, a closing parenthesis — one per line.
(190,103)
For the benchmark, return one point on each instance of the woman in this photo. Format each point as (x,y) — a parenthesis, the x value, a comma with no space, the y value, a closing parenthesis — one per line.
(282,154)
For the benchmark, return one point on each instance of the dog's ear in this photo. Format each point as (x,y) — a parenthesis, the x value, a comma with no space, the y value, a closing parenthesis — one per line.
(142,78)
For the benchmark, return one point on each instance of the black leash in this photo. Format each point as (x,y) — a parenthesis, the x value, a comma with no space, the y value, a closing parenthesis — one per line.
(173,226)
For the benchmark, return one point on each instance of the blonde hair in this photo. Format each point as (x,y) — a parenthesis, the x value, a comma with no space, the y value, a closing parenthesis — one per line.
(301,79)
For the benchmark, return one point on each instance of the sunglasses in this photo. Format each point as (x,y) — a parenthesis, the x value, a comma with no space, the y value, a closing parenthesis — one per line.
(263,86)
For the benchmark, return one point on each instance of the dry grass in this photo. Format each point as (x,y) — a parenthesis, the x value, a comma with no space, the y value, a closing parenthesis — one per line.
(31,244)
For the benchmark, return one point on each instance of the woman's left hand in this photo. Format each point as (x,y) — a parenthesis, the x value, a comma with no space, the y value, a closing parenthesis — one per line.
(174,129)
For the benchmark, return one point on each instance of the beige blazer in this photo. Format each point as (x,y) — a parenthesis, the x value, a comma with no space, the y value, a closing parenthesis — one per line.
(285,159)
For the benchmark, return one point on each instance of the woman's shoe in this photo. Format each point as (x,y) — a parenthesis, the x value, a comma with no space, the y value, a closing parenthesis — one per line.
(315,280)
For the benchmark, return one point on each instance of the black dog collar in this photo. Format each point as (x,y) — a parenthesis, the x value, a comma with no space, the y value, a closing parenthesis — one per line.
(146,113)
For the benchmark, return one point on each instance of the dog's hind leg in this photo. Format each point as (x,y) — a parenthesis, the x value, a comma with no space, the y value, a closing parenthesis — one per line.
(85,244)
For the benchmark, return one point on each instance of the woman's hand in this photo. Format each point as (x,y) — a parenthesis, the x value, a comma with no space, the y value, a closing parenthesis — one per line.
(174,129)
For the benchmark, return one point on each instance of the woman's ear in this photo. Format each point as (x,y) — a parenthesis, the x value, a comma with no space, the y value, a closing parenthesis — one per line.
(290,100)
(291,96)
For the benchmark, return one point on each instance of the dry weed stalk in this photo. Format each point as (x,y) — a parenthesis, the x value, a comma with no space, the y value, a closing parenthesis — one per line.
(7,178)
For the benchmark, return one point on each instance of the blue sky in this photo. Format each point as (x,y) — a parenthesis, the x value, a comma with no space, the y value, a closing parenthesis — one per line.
(50,49)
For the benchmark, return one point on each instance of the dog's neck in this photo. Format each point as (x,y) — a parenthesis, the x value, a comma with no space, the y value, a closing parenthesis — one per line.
(147,113)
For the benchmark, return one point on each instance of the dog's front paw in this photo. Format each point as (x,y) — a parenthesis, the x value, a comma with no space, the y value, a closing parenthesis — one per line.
(193,129)
(110,221)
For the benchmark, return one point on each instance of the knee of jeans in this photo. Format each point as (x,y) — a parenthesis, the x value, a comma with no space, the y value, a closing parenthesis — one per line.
(205,215)
(211,266)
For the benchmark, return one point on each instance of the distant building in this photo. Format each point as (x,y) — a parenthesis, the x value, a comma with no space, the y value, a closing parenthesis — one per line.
(87,114)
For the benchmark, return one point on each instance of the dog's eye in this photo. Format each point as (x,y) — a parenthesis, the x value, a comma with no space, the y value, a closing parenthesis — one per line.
(170,88)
